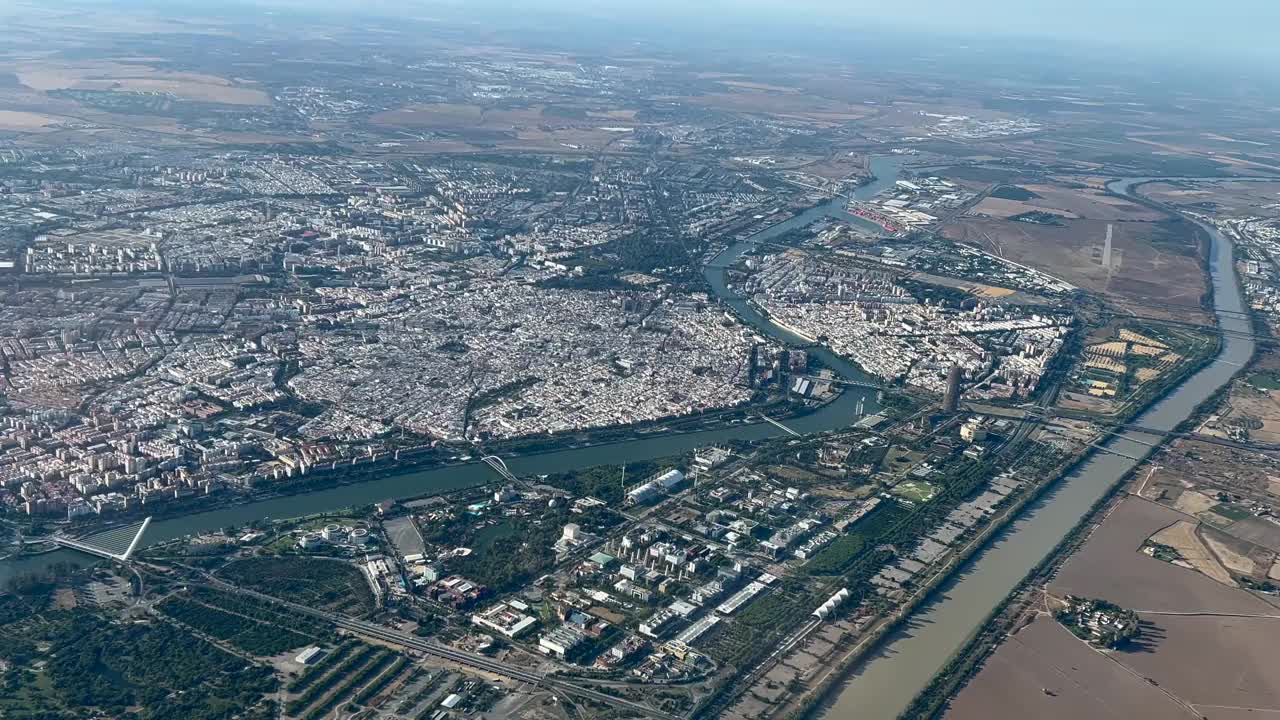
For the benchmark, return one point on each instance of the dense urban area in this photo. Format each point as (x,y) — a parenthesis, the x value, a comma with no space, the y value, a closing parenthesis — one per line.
(409,371)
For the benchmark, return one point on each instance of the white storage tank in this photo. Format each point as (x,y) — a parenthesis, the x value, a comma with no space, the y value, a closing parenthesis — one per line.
(359,536)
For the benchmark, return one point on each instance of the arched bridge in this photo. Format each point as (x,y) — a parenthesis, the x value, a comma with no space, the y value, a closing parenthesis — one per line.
(500,467)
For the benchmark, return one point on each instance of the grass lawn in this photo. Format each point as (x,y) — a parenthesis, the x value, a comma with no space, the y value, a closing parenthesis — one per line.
(1265,381)
(916,491)
(1231,512)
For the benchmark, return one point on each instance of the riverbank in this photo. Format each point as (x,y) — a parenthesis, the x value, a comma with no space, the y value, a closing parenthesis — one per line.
(886,682)
(1007,617)
(839,412)
(660,438)
(822,695)
(817,700)
(965,663)
(396,483)
(365,472)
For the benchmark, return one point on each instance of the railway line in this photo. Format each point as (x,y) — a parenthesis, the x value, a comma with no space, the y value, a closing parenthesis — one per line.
(471,660)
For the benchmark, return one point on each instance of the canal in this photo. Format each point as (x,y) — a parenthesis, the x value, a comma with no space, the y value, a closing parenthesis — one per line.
(839,413)
(883,684)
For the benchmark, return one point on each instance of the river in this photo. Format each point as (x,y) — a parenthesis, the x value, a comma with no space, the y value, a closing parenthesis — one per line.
(881,686)
(839,413)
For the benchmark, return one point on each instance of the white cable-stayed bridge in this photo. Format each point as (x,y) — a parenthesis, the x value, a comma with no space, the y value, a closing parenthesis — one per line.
(116,544)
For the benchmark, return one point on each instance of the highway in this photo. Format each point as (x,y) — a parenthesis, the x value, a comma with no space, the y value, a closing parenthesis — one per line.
(428,647)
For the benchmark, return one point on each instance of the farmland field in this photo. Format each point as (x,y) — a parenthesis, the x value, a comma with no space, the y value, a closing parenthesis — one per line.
(1110,567)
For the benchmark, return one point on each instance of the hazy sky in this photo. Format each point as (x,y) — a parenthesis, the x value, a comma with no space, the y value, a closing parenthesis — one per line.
(1239,28)
(1183,31)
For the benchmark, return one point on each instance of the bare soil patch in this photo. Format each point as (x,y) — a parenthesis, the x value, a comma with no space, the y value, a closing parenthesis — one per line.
(1193,503)
(26,121)
(1226,661)
(1225,197)
(1091,204)
(1259,410)
(1258,531)
(1002,208)
(1181,536)
(794,105)
(133,77)
(1084,683)
(762,87)
(437,115)
(1231,559)
(1155,266)
(1110,566)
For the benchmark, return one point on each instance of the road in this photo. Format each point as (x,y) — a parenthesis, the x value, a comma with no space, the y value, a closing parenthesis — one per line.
(1015,440)
(428,647)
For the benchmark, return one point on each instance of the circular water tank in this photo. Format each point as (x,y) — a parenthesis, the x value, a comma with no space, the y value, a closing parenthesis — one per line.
(330,531)
(359,536)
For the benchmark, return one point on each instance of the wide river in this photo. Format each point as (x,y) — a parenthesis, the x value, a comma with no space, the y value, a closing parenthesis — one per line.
(881,686)
(837,414)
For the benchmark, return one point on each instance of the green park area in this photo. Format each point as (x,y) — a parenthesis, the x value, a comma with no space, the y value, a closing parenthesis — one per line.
(916,491)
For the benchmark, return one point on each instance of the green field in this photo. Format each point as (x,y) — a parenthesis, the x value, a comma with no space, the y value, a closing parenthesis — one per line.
(1230,512)
(1265,381)
(1013,192)
(836,557)
(916,491)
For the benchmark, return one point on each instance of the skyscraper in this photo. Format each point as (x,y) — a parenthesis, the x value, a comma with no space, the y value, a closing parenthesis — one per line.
(951,398)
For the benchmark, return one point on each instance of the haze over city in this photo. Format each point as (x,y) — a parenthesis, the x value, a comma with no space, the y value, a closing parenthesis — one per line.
(664,360)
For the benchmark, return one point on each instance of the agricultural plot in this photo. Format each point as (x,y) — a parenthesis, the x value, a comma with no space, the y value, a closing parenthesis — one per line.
(1110,566)
(1044,672)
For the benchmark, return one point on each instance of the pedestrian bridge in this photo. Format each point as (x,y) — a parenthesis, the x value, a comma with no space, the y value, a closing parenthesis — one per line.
(115,544)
